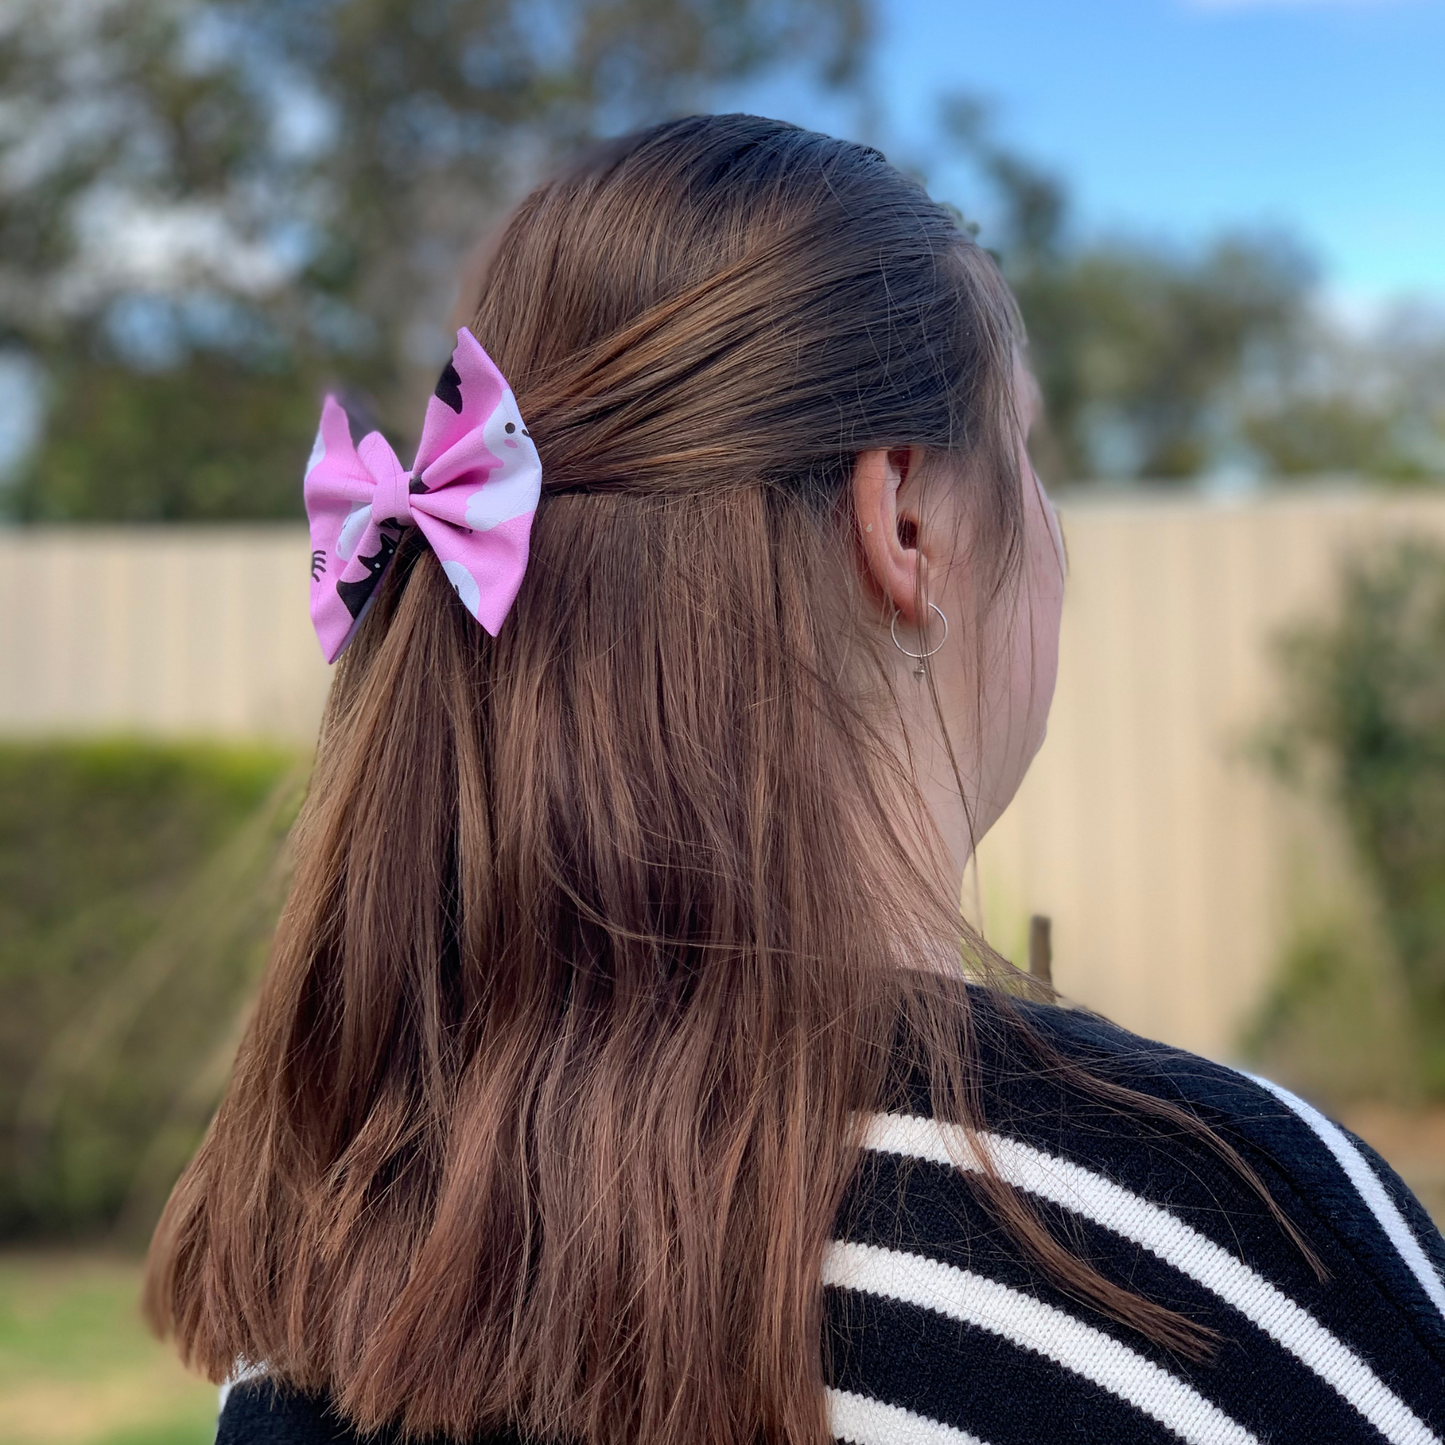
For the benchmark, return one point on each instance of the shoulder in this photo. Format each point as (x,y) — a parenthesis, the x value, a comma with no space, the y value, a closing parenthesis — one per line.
(259,1411)
(1354,1352)
(1333,1186)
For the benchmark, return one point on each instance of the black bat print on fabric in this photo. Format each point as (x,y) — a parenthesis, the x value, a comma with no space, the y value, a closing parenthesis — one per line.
(356,594)
(449,388)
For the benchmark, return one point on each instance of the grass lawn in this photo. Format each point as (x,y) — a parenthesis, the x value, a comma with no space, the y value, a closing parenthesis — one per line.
(77,1366)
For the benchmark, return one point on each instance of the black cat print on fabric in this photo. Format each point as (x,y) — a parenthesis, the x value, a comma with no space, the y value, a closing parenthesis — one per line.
(357,594)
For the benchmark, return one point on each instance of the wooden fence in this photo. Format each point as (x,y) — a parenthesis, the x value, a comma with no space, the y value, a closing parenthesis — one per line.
(171,630)
(1169,863)
(1173,867)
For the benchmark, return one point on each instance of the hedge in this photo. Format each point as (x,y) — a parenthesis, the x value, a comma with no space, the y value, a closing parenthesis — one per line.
(139,885)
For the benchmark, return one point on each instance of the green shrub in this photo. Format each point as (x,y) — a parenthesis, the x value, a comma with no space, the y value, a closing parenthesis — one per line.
(1366,717)
(139,884)
(1335,1026)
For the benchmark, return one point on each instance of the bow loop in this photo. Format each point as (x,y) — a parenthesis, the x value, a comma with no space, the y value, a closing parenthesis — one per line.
(472,491)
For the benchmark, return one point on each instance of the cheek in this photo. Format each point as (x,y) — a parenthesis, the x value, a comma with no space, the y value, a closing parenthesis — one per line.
(1003,714)
(1026,641)
(1036,644)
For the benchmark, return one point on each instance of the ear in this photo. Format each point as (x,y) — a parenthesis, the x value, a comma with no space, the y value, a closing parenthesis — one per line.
(889,527)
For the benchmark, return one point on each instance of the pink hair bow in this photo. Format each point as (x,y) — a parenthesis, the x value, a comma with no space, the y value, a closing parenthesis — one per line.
(473,491)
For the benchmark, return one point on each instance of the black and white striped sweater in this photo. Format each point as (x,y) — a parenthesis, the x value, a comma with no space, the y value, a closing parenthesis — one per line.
(940,1333)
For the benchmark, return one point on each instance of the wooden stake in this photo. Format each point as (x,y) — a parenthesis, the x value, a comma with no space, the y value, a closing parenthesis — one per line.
(1041,948)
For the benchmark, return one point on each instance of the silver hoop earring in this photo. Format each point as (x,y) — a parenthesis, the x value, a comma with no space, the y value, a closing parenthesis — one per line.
(920,657)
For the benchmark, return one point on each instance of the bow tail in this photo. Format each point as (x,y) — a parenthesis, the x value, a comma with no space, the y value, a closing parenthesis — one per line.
(345,543)
(485,568)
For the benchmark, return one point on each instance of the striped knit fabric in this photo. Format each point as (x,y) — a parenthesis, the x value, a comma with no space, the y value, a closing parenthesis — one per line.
(940,1333)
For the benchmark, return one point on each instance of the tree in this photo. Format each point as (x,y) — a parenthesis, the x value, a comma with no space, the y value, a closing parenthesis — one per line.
(209,206)
(1155,349)
(1373,406)
(1142,352)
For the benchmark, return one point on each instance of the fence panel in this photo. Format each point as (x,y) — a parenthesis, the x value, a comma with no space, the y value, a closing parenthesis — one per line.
(170,630)
(1167,860)
(1162,856)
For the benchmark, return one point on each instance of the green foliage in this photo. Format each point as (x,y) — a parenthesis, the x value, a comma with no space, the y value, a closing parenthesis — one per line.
(214,442)
(1310,435)
(138,887)
(1367,699)
(202,198)
(1334,1024)
(1137,348)
(1161,363)
(1375,409)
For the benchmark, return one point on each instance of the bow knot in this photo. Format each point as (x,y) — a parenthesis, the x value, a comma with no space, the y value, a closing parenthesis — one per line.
(391,501)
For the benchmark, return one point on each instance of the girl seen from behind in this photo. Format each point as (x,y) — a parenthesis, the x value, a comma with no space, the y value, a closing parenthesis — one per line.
(623,1071)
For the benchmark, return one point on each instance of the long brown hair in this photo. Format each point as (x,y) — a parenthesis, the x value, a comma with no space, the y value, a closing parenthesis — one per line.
(592,958)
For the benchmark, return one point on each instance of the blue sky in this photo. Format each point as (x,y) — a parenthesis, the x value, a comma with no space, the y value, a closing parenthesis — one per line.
(1179,118)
